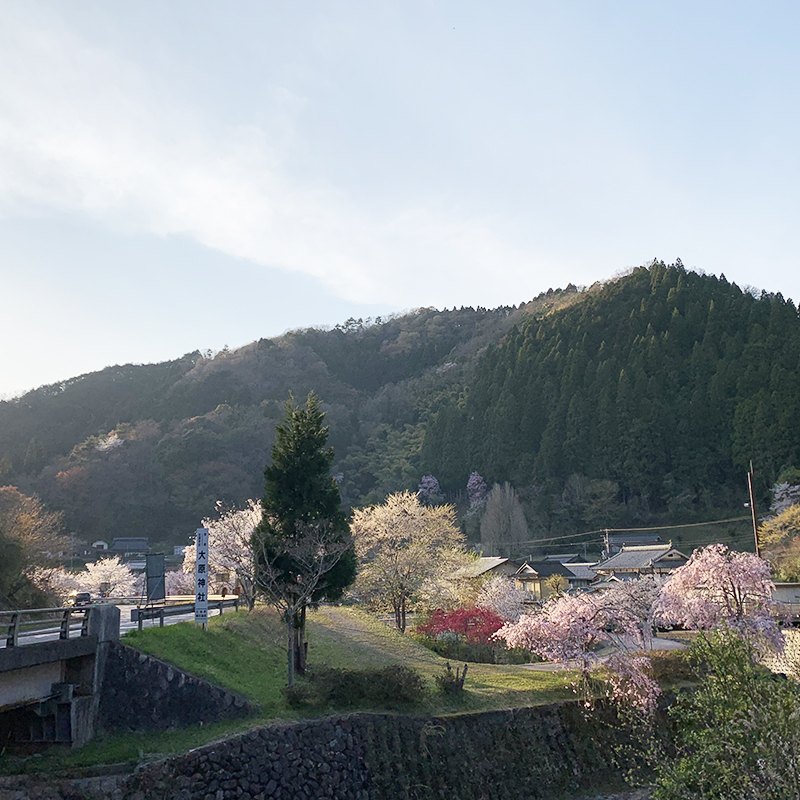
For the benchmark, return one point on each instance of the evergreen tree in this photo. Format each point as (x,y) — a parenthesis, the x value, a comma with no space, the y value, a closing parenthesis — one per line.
(302,503)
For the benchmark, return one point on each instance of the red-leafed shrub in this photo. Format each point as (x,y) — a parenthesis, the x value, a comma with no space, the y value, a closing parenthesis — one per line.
(476,625)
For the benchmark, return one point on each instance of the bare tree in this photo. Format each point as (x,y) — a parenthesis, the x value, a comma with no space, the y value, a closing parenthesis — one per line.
(290,569)
(503,527)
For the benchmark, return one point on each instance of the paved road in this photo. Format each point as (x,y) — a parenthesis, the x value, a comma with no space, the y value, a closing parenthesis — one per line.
(53,630)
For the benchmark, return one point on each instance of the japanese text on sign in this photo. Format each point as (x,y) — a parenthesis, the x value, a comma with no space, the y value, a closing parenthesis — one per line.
(201,577)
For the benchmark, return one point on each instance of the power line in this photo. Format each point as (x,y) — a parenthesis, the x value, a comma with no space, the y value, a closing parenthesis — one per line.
(626,530)
(670,527)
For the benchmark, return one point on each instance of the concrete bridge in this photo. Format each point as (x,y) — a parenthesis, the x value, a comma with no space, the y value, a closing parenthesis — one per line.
(49,690)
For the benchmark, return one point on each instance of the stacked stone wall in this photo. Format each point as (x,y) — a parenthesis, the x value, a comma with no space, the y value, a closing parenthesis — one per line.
(142,693)
(526,754)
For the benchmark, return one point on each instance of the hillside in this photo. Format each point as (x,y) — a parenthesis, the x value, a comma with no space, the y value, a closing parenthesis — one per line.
(633,402)
(653,394)
(148,450)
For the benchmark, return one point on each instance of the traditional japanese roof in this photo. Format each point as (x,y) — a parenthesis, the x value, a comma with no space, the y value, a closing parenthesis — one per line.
(643,557)
(130,543)
(483,565)
(562,558)
(585,571)
(542,569)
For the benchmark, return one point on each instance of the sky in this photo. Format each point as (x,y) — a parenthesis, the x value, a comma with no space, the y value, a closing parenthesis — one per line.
(189,175)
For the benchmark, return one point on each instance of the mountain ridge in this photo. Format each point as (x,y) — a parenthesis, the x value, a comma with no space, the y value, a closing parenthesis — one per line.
(194,430)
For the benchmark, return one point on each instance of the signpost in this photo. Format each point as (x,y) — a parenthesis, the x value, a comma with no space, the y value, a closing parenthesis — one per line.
(154,570)
(201,578)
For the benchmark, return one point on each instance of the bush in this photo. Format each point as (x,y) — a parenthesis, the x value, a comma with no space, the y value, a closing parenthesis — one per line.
(475,625)
(670,666)
(388,687)
(458,649)
(451,682)
(738,732)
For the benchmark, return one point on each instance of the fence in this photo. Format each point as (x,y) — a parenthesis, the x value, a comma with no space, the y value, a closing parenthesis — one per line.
(139,615)
(21,626)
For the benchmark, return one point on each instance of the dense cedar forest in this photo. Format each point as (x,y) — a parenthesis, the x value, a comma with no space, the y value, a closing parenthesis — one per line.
(636,401)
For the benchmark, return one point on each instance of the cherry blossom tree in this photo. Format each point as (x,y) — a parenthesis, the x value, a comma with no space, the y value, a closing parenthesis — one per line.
(574,627)
(501,596)
(179,582)
(108,577)
(477,491)
(784,495)
(779,537)
(718,586)
(230,548)
(291,570)
(56,582)
(428,489)
(407,553)
(230,545)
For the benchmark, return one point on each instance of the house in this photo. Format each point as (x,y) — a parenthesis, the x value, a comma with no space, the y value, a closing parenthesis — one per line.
(582,574)
(614,542)
(632,561)
(541,579)
(100,544)
(130,545)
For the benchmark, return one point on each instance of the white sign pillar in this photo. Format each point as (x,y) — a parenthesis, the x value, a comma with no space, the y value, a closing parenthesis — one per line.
(201,578)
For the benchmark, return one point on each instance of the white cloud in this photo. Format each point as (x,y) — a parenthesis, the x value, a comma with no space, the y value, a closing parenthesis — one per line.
(84,130)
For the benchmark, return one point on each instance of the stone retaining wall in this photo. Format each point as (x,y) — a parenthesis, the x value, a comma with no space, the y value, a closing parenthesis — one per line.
(530,754)
(141,693)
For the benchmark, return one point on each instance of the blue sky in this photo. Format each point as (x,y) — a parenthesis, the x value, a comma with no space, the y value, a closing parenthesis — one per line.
(185,175)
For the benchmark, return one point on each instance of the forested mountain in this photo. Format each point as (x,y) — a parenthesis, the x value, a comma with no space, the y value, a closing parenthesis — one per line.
(640,399)
(150,449)
(666,383)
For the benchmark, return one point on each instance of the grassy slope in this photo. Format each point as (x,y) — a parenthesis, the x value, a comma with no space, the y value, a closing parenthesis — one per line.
(245,653)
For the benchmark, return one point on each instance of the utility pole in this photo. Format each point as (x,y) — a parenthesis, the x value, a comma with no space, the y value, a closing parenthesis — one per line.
(753,508)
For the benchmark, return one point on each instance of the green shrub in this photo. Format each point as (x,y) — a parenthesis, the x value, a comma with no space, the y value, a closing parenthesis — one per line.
(737,733)
(670,666)
(389,687)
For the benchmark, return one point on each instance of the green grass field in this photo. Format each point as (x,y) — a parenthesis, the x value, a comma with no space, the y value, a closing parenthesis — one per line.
(246,653)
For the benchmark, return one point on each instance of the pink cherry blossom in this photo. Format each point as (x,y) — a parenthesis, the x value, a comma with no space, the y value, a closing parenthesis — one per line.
(719,586)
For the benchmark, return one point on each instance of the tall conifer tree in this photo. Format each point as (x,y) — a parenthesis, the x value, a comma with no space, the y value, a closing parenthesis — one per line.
(300,495)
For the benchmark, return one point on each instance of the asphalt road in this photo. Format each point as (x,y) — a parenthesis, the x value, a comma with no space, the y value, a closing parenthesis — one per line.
(52,631)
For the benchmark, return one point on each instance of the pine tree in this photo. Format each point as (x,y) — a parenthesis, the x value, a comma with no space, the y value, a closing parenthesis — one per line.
(303,538)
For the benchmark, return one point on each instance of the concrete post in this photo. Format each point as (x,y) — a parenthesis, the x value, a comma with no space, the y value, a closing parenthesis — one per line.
(103,623)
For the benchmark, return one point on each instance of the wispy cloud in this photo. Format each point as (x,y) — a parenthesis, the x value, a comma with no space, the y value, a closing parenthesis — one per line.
(86,131)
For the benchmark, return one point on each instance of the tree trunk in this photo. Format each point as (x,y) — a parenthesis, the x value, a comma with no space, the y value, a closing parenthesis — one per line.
(290,650)
(403,615)
(300,643)
(397,620)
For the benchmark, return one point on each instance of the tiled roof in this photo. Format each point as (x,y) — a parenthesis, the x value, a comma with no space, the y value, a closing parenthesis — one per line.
(542,569)
(562,558)
(641,557)
(585,572)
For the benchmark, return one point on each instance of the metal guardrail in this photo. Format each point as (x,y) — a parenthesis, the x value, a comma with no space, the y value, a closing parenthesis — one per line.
(20,625)
(139,615)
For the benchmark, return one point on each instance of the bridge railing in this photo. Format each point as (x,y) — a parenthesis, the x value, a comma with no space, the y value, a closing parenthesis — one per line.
(17,627)
(139,615)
